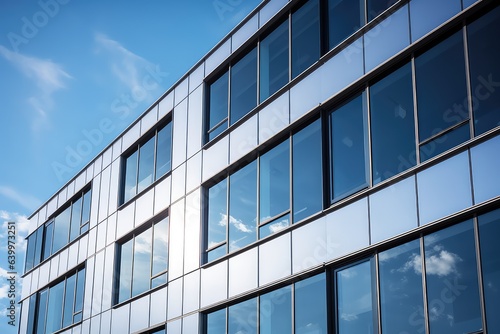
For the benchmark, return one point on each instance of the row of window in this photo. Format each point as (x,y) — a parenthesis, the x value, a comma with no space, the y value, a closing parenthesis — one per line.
(58,306)
(143,260)
(65,227)
(278,57)
(375,128)
(387,290)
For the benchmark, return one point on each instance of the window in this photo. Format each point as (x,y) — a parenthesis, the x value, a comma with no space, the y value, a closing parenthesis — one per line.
(306,47)
(376,7)
(452,280)
(489,230)
(392,124)
(349,148)
(218,106)
(344,18)
(255,201)
(148,162)
(484,52)
(356,307)
(143,261)
(443,111)
(274,61)
(272,312)
(243,86)
(58,306)
(65,227)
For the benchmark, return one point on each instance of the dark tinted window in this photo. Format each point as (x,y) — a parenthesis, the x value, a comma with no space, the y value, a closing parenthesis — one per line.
(344,18)
(392,124)
(243,86)
(146,165)
(376,7)
(484,53)
(444,142)
(218,108)
(305,37)
(310,305)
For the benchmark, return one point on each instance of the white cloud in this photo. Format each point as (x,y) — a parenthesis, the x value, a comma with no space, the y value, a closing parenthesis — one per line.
(22,229)
(48,76)
(26,201)
(239,225)
(439,262)
(128,67)
(275,227)
(4,291)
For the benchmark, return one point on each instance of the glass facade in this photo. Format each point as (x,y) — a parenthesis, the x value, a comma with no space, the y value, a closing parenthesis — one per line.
(329,167)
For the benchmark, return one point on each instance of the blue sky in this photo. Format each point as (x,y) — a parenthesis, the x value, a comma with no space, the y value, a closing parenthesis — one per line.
(67,65)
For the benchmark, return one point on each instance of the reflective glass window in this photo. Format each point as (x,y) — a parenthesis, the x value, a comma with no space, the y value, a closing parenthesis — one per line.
(76,219)
(392,124)
(39,246)
(489,230)
(243,86)
(216,322)
(30,252)
(243,206)
(307,171)
(61,229)
(310,306)
(349,147)
(376,7)
(356,310)
(69,299)
(53,319)
(344,18)
(441,99)
(218,106)
(42,311)
(444,142)
(452,280)
(146,165)
(86,211)
(484,52)
(142,262)
(130,188)
(125,271)
(217,214)
(30,326)
(242,317)
(401,294)
(274,226)
(274,181)
(79,294)
(305,37)
(164,151)
(275,315)
(160,252)
(47,239)
(274,61)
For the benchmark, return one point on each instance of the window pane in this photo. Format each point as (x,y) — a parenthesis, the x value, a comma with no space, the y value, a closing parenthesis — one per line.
(452,284)
(217,213)
(441,99)
(86,207)
(305,37)
(349,147)
(142,262)
(160,247)
(164,151)
(392,124)
(146,165)
(61,230)
(216,322)
(243,317)
(401,295)
(355,304)
(31,314)
(130,177)
(244,86)
(243,206)
(39,246)
(274,61)
(42,312)
(69,299)
(80,287)
(30,252)
(445,142)
(310,306)
(276,311)
(489,230)
(54,308)
(376,7)
(216,253)
(344,18)
(274,226)
(76,219)
(307,172)
(125,273)
(274,181)
(218,102)
(484,52)
(47,245)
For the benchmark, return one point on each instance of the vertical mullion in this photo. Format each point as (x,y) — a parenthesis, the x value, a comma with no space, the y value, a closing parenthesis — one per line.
(258,198)
(132,268)
(415,108)
(137,171)
(292,306)
(229,74)
(151,257)
(290,166)
(61,324)
(155,152)
(377,293)
(468,81)
(480,274)
(228,194)
(369,138)
(424,285)
(289,46)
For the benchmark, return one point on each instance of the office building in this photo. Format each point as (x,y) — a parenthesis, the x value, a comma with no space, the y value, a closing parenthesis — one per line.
(331,166)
